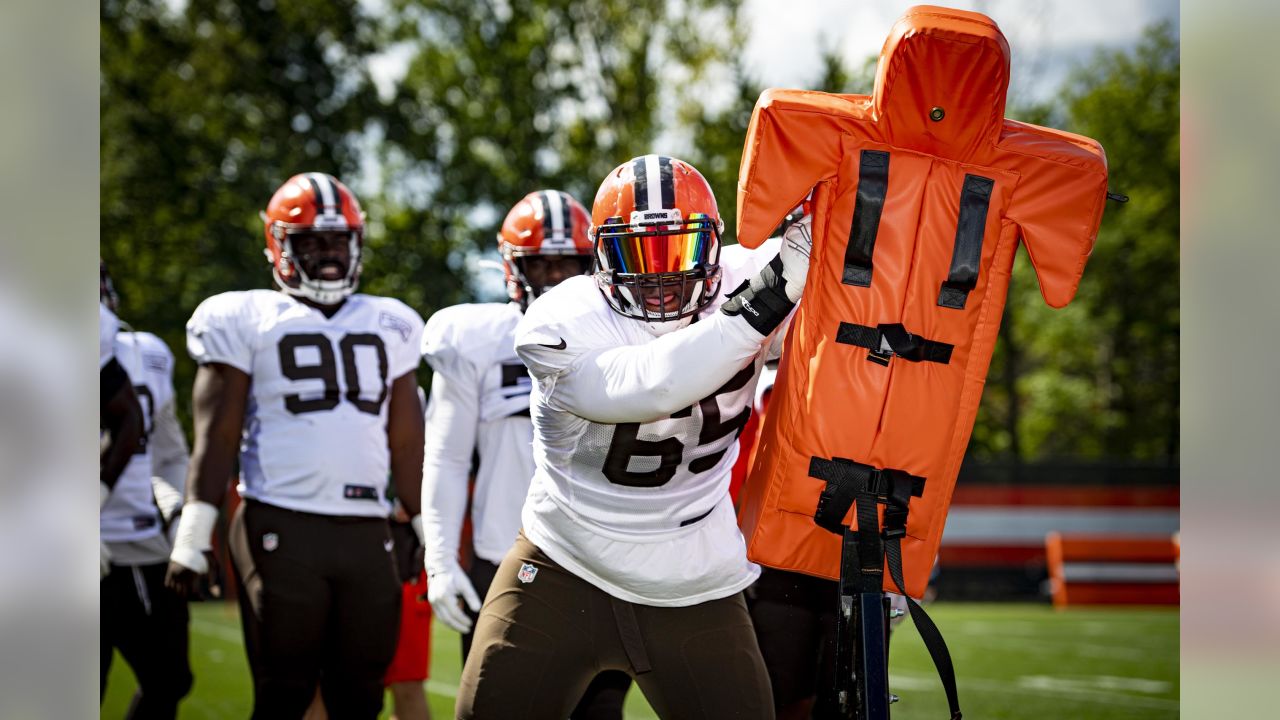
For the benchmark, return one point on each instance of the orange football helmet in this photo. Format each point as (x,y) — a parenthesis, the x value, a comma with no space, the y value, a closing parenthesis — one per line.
(657,229)
(324,211)
(543,223)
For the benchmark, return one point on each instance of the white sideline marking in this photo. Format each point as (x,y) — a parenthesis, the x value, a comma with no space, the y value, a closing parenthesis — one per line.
(1084,689)
(214,630)
(436,687)
(1092,683)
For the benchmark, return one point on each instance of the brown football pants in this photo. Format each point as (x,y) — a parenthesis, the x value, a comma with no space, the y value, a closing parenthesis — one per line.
(542,636)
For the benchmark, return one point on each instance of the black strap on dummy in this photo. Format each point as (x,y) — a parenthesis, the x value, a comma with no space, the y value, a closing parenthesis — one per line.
(873,183)
(862,620)
(889,340)
(966,256)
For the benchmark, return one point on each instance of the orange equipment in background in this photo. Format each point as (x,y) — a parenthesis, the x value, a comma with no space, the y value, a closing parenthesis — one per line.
(1112,569)
(922,192)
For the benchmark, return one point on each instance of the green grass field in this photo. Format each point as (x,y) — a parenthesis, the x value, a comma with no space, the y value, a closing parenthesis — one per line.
(1012,661)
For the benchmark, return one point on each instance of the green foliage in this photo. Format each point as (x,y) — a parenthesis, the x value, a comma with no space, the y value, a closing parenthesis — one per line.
(1100,377)
(206,109)
(204,114)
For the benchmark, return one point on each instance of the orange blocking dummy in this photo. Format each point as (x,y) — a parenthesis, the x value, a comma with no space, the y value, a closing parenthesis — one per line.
(921,193)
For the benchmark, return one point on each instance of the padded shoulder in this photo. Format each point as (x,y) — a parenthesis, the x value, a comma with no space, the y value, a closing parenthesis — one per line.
(478,332)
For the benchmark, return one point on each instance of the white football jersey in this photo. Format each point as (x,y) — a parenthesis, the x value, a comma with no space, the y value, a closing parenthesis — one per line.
(479,405)
(315,437)
(635,437)
(108,326)
(130,512)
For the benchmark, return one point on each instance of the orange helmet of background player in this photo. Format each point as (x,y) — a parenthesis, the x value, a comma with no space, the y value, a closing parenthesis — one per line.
(313,204)
(656,229)
(543,223)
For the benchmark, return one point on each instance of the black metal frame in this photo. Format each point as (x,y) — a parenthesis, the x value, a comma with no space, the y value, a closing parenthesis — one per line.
(862,640)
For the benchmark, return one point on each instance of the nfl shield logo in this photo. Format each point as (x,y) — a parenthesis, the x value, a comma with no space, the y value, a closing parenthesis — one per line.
(527,573)
(270,542)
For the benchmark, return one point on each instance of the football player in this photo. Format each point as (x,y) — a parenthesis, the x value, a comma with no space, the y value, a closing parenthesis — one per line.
(119,414)
(315,386)
(140,617)
(480,406)
(630,556)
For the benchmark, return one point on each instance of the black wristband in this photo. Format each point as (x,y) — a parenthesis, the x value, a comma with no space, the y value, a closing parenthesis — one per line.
(765,306)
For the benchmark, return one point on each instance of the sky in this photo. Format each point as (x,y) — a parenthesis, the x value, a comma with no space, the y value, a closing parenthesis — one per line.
(1046,37)
(786,38)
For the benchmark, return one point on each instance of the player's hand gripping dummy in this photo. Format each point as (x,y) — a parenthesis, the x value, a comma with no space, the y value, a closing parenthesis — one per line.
(923,192)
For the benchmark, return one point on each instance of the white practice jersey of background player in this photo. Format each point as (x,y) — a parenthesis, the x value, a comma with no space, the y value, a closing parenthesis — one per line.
(596,506)
(130,521)
(479,404)
(315,437)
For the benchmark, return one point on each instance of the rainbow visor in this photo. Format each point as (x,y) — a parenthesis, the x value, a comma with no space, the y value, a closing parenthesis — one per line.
(658,248)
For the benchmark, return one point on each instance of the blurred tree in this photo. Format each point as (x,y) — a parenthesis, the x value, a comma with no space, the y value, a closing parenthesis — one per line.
(208,105)
(1129,101)
(504,98)
(1099,379)
(204,112)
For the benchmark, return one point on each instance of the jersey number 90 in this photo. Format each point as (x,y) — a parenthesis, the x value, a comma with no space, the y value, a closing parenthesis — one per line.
(326,370)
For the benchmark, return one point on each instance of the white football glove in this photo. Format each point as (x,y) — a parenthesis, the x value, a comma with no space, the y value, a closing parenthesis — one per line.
(445,588)
(766,299)
(797,243)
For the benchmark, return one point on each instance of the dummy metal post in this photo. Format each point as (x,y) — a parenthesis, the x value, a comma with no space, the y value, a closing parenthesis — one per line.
(862,640)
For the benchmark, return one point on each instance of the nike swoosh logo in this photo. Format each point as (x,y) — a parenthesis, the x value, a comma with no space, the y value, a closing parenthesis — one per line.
(561,346)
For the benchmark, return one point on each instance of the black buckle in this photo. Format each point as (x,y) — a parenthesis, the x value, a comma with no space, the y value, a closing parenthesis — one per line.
(878,483)
(899,341)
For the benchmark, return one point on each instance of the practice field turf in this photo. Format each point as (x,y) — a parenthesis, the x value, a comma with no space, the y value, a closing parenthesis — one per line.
(1012,661)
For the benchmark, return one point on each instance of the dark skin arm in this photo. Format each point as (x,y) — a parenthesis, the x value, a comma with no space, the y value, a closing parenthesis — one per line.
(122,418)
(218,401)
(405,427)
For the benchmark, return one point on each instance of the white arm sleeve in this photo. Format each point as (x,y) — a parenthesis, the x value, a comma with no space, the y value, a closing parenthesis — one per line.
(169,457)
(777,338)
(642,383)
(453,412)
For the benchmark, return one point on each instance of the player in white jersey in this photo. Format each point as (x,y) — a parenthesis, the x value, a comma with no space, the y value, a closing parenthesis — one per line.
(630,556)
(120,422)
(140,617)
(479,407)
(315,386)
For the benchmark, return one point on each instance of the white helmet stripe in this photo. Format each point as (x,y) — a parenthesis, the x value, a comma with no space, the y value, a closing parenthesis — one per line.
(326,192)
(555,210)
(653,175)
